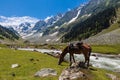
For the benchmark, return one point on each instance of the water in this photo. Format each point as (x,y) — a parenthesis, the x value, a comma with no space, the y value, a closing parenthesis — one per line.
(103,62)
(109,62)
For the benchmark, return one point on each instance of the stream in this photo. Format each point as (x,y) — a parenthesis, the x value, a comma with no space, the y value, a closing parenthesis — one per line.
(109,62)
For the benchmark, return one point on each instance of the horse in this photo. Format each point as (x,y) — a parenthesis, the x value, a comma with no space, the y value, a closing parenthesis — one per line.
(78,48)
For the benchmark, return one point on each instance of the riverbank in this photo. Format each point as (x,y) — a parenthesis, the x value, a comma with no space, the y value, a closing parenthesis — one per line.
(104,61)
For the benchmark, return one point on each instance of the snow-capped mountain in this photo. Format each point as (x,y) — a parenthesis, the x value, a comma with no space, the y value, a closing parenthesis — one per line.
(67,18)
(48,29)
(54,28)
(71,25)
(22,25)
(47,22)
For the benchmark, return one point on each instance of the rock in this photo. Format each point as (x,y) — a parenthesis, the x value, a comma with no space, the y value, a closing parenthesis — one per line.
(96,58)
(73,73)
(111,76)
(15,65)
(93,55)
(57,55)
(53,47)
(119,55)
(45,72)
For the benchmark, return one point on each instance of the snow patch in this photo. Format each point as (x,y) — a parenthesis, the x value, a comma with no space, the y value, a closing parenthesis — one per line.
(46,20)
(73,19)
(56,27)
(41,34)
(53,34)
(86,15)
(47,40)
(57,39)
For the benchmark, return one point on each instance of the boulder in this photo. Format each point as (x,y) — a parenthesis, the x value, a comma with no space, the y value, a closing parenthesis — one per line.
(45,72)
(73,72)
(15,65)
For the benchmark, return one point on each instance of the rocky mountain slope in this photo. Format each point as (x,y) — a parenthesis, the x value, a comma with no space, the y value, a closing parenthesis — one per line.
(99,20)
(8,34)
(21,25)
(110,35)
(81,22)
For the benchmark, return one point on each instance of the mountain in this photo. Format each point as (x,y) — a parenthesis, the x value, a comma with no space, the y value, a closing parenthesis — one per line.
(111,35)
(48,22)
(79,23)
(99,20)
(41,26)
(8,33)
(48,29)
(22,25)
(69,16)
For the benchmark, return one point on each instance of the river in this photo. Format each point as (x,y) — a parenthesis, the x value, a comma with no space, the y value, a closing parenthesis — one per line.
(109,62)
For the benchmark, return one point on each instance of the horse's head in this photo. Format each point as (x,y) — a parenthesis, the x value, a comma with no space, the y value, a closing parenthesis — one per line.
(60,60)
(62,55)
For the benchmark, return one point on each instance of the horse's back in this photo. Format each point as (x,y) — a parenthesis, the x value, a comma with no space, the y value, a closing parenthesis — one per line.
(87,46)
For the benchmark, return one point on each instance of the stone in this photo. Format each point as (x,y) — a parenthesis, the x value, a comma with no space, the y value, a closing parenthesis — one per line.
(45,72)
(73,73)
(15,65)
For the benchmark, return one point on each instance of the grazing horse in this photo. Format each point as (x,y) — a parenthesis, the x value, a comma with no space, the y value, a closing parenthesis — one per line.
(77,48)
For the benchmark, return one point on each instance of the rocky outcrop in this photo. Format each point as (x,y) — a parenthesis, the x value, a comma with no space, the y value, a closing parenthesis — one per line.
(74,72)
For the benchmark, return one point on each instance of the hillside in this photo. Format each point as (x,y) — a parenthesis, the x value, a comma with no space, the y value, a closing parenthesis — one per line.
(81,22)
(95,18)
(93,25)
(110,35)
(8,34)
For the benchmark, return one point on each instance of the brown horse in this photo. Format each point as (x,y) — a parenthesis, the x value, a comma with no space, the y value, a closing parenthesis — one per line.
(77,48)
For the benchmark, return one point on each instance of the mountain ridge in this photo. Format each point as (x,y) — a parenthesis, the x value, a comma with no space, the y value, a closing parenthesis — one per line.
(76,24)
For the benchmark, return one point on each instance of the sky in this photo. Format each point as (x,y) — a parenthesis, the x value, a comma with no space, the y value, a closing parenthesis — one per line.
(37,8)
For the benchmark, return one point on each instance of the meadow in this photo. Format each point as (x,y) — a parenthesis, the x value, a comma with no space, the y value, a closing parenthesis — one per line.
(28,68)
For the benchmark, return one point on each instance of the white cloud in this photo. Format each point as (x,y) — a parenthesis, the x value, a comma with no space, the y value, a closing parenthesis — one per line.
(15,21)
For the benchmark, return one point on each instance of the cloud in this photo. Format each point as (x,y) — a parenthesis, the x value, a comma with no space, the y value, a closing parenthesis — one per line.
(15,21)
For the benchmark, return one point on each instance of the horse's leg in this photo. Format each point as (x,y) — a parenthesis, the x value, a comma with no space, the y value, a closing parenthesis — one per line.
(73,58)
(86,58)
(88,61)
(70,59)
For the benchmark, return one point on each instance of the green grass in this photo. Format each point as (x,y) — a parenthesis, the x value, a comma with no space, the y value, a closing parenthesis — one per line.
(100,74)
(106,49)
(27,68)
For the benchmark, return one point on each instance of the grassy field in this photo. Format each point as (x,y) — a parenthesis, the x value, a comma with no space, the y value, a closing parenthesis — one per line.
(28,68)
(106,49)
